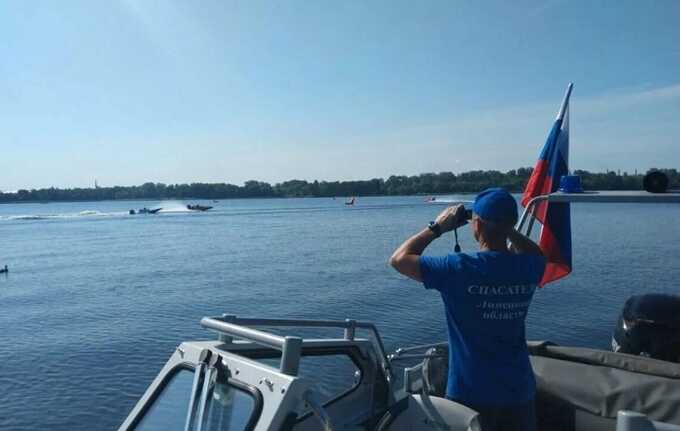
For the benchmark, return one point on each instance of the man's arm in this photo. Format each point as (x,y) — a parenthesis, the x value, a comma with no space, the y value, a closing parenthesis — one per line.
(522,244)
(406,258)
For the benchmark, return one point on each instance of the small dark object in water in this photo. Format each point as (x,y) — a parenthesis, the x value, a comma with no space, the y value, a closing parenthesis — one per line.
(145,210)
(198,207)
(655,182)
(4,270)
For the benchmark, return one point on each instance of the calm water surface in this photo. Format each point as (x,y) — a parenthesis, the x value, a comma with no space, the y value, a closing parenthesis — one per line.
(96,300)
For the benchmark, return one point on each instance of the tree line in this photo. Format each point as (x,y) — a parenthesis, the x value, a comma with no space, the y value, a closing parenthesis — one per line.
(428,183)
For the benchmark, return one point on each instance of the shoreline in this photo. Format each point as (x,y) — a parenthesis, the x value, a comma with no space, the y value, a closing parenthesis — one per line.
(233,199)
(426,184)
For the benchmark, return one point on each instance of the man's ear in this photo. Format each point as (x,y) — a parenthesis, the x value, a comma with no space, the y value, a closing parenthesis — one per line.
(474,224)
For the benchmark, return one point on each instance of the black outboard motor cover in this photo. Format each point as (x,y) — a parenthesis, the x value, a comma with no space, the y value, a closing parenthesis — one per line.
(655,182)
(649,325)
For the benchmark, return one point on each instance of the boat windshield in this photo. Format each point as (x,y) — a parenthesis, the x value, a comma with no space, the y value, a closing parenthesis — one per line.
(227,406)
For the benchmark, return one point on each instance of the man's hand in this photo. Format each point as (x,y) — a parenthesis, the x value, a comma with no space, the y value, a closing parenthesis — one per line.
(406,258)
(451,218)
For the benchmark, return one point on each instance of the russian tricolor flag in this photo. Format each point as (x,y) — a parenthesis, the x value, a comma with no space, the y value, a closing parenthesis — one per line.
(555,238)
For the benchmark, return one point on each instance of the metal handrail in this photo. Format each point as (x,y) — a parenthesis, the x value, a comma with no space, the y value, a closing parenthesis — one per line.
(402,353)
(416,356)
(290,347)
(401,350)
(529,210)
(672,196)
(232,325)
(260,337)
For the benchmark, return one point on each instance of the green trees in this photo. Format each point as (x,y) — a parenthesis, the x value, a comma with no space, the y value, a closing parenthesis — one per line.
(427,183)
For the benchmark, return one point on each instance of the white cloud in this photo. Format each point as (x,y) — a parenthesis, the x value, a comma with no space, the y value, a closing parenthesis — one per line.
(628,99)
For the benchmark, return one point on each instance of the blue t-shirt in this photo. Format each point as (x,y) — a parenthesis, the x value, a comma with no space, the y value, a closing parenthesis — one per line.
(486,296)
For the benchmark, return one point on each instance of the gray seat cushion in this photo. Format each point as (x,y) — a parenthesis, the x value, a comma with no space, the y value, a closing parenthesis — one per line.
(588,383)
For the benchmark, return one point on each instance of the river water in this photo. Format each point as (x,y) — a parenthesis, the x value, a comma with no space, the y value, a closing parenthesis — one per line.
(97,299)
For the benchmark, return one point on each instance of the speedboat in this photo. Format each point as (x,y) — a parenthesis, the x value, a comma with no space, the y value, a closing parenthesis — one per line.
(198,207)
(148,211)
(259,375)
(145,210)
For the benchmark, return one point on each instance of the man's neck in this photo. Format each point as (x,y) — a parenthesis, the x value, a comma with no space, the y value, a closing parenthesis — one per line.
(493,246)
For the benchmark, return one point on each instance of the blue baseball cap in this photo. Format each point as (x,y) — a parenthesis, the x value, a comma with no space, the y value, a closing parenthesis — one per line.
(496,205)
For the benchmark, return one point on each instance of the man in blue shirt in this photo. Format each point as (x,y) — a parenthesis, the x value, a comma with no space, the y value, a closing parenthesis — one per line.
(486,296)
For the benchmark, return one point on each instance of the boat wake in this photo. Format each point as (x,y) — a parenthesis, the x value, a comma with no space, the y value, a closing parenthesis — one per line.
(86,213)
(173,207)
(167,207)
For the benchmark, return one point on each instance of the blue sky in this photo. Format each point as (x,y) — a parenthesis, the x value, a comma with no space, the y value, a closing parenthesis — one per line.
(129,91)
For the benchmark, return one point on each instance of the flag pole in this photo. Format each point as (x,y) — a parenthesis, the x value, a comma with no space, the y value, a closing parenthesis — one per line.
(565,102)
(560,116)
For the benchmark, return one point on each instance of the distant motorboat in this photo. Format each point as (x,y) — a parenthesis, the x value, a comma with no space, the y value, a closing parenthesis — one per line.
(351,201)
(145,210)
(4,270)
(198,207)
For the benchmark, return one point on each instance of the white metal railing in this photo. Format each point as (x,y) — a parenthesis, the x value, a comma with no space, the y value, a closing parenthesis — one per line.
(230,326)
